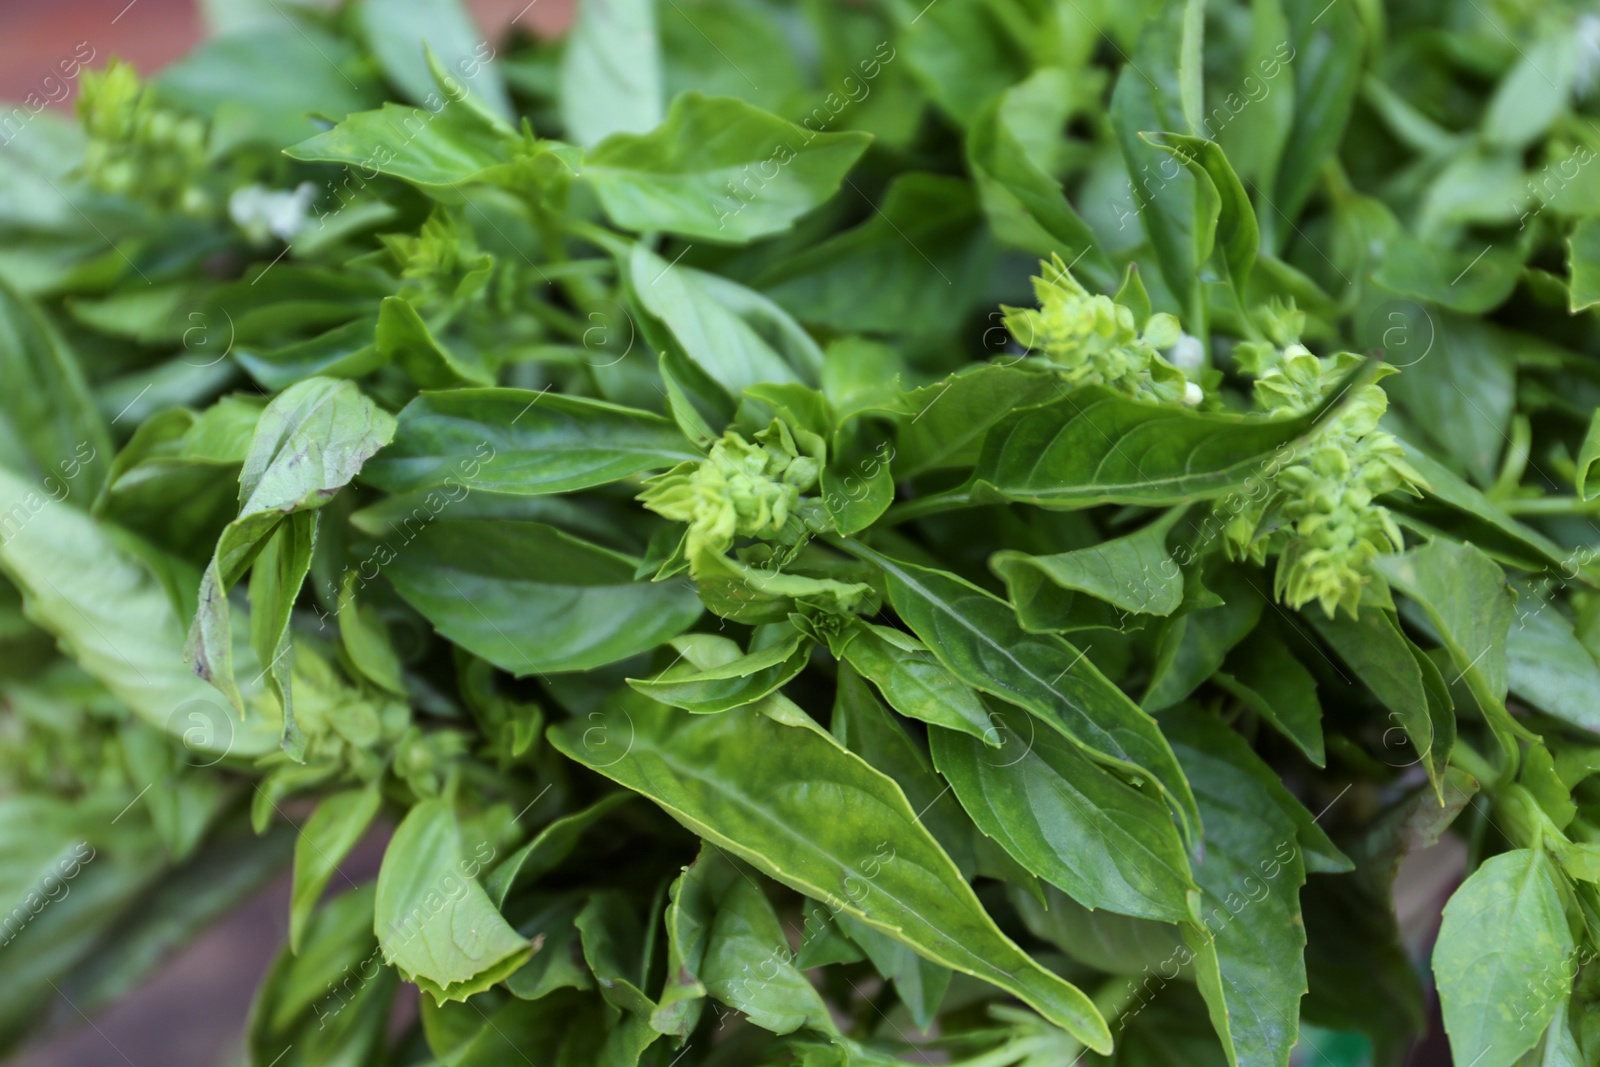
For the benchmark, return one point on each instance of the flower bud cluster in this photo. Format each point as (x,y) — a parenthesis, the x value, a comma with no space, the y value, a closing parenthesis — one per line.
(1093,340)
(139,149)
(742,489)
(1322,517)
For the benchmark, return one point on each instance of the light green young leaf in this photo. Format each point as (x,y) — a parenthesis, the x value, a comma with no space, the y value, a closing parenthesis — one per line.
(853,842)
(675,178)
(734,335)
(400,32)
(1501,958)
(611,71)
(1025,204)
(433,920)
(734,684)
(108,603)
(434,149)
(522,441)
(309,442)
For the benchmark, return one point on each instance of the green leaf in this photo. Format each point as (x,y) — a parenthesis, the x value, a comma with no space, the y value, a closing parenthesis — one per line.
(433,920)
(922,253)
(735,335)
(1238,238)
(549,848)
(1583,264)
(976,636)
(106,600)
(716,774)
(263,86)
(962,54)
(434,149)
(1069,820)
(719,687)
(1148,98)
(523,442)
(531,599)
(398,31)
(913,681)
(1132,575)
(1501,958)
(1026,206)
(921,985)
(1465,401)
(950,418)
(1268,678)
(1326,61)
(1467,601)
(1193,646)
(1588,453)
(692,906)
(1096,446)
(309,442)
(747,962)
(48,423)
(1451,501)
(612,933)
(1535,94)
(1548,666)
(675,179)
(1471,281)
(611,71)
(324,841)
(1249,942)
(404,339)
(864,726)
(1399,675)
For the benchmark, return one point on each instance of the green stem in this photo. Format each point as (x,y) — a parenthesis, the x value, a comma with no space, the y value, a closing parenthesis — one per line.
(932,504)
(1551,505)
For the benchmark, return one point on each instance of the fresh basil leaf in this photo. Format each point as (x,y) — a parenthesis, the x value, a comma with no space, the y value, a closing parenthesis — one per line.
(436,149)
(433,920)
(1095,446)
(914,682)
(1068,820)
(324,841)
(521,441)
(675,178)
(977,637)
(714,774)
(611,72)
(1132,575)
(398,31)
(1500,958)
(475,580)
(728,685)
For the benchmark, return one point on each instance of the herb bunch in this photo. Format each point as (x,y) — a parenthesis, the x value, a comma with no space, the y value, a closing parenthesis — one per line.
(832,534)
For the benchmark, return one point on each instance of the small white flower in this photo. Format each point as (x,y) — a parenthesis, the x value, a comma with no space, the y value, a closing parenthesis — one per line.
(261,212)
(1192,394)
(1188,354)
